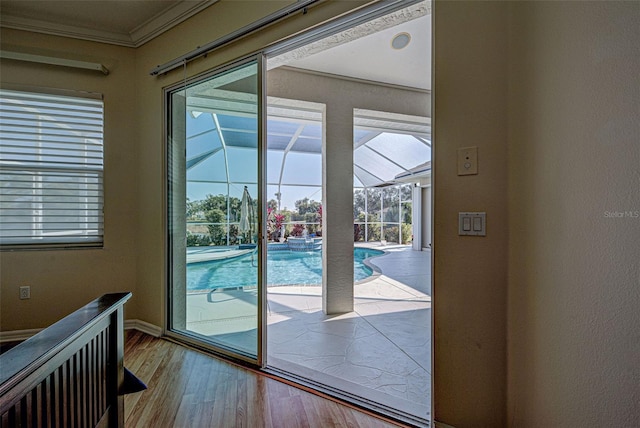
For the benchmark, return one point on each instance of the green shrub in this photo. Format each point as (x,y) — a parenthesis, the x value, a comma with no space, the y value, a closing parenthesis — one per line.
(391,233)
(373,232)
(358,233)
(195,240)
(407,233)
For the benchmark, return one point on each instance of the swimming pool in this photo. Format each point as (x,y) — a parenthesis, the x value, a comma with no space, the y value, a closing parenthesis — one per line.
(283,268)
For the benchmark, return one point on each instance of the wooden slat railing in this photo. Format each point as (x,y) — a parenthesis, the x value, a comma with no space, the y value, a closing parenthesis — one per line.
(70,374)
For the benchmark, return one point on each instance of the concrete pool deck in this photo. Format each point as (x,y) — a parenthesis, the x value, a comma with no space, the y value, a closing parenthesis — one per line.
(380,351)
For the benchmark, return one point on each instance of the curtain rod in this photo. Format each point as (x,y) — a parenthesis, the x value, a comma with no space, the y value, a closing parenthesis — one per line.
(244,31)
(20,56)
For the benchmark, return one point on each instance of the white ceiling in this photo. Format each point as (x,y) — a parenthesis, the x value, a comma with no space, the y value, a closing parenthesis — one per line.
(373,58)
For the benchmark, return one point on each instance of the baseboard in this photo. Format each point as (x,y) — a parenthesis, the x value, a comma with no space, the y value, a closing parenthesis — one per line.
(437,424)
(20,335)
(143,326)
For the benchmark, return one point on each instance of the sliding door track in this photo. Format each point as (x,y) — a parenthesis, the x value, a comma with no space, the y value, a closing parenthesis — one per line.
(386,412)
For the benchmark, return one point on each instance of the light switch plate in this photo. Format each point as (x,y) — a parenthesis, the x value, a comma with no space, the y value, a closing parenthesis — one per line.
(25,292)
(472,224)
(467,161)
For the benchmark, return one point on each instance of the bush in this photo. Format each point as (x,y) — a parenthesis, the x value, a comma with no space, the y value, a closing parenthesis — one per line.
(358,233)
(233,235)
(312,222)
(195,240)
(373,232)
(217,231)
(298,230)
(407,233)
(391,233)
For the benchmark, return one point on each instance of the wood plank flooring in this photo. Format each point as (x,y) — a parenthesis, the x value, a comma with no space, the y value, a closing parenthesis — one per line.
(190,389)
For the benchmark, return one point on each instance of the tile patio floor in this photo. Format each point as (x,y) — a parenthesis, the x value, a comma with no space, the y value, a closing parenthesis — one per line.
(381,351)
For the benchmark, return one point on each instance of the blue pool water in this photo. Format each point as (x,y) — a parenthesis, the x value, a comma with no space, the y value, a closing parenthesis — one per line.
(283,268)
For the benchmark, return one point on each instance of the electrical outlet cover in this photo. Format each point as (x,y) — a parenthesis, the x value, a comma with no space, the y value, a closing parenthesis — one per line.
(25,292)
(468,161)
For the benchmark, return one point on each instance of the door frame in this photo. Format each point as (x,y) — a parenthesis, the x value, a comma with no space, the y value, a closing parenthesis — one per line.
(337,25)
(185,337)
(291,42)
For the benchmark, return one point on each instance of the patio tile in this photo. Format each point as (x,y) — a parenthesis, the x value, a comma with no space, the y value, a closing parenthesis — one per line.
(377,347)
(394,283)
(281,331)
(312,349)
(419,386)
(369,377)
(397,321)
(215,306)
(375,351)
(350,328)
(380,289)
(283,300)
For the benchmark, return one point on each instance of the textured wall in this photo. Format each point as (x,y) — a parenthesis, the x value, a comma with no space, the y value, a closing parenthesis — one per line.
(574,205)
(62,281)
(470,283)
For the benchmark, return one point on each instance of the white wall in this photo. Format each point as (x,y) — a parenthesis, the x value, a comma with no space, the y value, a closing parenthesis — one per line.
(574,161)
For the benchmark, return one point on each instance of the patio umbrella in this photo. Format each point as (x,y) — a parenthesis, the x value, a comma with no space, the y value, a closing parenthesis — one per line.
(245,209)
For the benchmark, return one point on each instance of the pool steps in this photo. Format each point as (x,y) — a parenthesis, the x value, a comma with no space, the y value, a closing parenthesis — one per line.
(297,244)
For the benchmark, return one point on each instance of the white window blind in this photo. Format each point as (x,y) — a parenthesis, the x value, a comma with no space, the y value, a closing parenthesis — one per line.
(51,170)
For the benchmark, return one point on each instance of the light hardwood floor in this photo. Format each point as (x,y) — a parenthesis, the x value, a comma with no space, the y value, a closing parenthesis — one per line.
(190,389)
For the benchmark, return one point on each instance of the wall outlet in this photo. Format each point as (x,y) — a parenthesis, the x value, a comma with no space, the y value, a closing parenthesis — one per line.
(468,161)
(25,292)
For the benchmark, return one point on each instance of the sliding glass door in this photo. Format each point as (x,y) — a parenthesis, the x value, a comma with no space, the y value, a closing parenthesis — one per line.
(215,211)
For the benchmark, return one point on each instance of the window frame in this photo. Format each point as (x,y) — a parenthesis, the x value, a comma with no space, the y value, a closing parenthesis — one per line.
(73,170)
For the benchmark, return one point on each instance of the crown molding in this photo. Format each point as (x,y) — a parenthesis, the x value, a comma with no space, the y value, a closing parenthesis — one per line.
(166,20)
(140,35)
(37,26)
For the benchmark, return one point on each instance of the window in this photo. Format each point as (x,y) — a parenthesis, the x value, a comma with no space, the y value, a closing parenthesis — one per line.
(51,169)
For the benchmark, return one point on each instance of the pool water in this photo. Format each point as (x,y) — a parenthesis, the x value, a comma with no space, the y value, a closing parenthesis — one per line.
(283,268)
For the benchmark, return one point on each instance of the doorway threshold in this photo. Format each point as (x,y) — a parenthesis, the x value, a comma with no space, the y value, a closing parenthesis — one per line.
(395,410)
